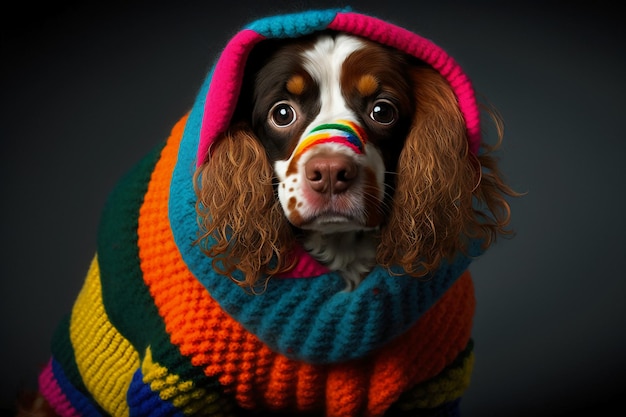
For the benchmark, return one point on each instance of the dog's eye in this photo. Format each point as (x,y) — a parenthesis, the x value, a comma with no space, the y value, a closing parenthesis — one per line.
(282,114)
(384,112)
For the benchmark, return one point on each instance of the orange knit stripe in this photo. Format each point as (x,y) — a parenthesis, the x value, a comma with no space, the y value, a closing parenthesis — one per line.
(247,368)
(281,387)
(187,309)
(346,389)
(309,379)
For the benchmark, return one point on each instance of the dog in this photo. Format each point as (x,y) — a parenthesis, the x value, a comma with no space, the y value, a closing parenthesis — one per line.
(361,155)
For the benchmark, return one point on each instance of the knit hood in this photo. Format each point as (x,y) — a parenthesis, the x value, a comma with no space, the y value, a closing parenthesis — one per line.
(156,331)
(227,74)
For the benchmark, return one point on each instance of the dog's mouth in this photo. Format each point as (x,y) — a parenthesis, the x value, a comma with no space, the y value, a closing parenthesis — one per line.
(332,222)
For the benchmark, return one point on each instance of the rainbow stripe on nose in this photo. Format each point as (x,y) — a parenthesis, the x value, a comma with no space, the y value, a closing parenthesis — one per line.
(343,132)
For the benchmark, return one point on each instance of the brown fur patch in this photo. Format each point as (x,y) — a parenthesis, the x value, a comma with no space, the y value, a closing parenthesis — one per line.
(296,85)
(296,218)
(367,85)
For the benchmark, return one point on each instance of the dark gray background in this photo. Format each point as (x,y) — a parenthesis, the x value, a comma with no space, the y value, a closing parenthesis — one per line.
(87,90)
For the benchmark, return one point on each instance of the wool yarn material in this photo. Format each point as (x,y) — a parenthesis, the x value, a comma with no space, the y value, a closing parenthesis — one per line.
(156,331)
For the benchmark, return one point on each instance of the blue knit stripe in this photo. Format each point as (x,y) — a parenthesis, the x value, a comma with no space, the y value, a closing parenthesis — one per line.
(81,403)
(294,25)
(144,402)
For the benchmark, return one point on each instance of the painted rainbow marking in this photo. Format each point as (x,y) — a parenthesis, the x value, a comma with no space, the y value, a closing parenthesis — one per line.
(343,132)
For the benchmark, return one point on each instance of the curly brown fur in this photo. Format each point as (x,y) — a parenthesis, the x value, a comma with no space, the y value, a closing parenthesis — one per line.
(239,211)
(444,195)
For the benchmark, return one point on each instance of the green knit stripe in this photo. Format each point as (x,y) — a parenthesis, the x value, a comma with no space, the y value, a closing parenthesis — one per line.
(126,298)
(63,354)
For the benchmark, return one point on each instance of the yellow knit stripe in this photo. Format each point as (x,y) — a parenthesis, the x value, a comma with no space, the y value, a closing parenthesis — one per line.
(183,394)
(105,359)
(445,387)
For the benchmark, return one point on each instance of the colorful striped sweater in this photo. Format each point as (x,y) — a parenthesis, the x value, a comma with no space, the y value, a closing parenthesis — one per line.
(155,331)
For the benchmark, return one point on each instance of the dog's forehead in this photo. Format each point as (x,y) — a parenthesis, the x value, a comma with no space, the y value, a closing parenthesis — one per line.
(328,53)
(325,59)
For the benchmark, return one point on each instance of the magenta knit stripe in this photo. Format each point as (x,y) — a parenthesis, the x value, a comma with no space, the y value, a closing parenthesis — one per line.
(53,394)
(423,49)
(224,88)
(306,266)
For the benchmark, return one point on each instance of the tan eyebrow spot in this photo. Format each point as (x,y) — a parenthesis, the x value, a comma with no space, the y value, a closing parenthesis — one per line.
(296,84)
(367,85)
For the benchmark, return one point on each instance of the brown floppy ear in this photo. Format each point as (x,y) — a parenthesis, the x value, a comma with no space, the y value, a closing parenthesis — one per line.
(442,197)
(242,225)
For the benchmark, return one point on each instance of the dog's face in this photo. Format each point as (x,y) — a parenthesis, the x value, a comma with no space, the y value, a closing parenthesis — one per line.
(332,113)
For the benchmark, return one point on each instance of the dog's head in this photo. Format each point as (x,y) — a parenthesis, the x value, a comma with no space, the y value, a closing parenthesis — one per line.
(335,133)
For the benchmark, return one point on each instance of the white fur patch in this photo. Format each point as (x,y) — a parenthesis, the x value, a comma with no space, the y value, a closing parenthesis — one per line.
(334,222)
(324,63)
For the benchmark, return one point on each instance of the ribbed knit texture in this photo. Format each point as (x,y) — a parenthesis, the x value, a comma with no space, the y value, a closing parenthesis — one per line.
(156,332)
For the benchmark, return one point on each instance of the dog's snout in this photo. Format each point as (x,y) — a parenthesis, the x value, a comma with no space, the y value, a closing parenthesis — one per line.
(330,174)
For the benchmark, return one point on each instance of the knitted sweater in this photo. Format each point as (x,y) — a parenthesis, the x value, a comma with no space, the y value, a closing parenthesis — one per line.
(155,331)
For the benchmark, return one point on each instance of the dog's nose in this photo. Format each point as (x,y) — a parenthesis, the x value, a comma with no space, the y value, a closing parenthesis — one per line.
(330,174)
